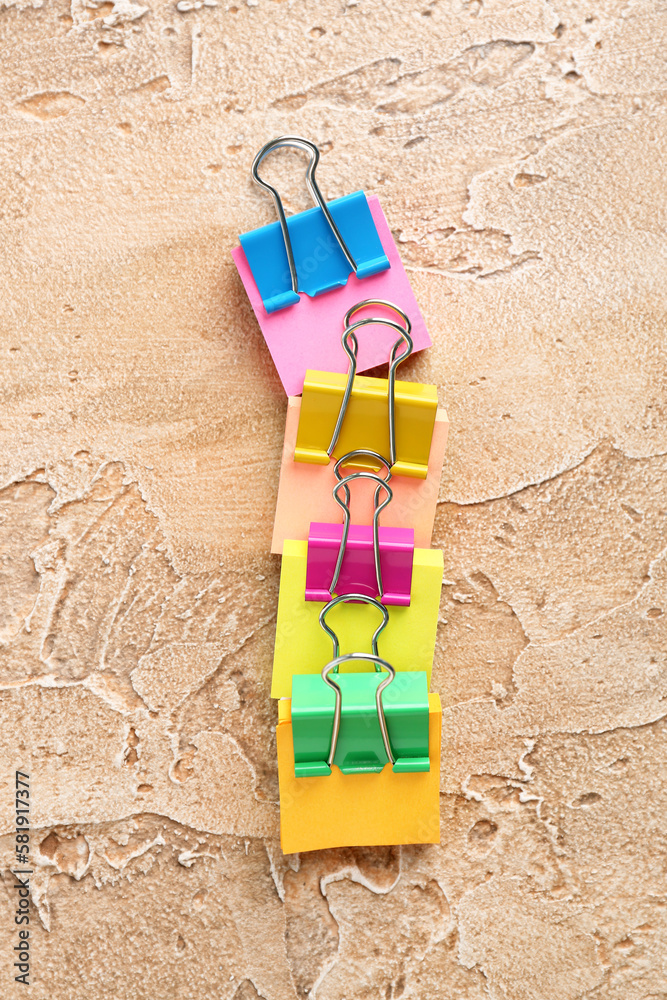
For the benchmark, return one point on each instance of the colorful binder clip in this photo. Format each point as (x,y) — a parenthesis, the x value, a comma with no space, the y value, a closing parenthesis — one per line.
(340,415)
(356,558)
(313,251)
(359,721)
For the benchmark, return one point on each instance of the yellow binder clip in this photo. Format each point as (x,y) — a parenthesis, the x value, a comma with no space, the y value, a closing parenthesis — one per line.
(340,415)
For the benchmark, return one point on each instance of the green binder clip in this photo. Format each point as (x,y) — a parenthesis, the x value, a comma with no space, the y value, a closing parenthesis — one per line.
(359,721)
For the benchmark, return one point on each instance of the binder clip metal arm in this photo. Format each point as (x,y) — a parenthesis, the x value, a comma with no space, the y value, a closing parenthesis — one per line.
(345,507)
(379,665)
(346,599)
(351,348)
(360,558)
(349,459)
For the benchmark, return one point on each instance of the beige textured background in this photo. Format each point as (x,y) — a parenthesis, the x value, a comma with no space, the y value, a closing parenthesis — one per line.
(518,147)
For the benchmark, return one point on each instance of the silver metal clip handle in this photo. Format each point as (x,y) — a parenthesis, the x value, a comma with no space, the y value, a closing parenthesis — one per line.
(346,599)
(358,453)
(348,459)
(379,665)
(345,506)
(296,142)
(351,348)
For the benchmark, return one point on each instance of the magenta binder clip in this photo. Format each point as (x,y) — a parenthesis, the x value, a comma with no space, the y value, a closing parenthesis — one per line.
(360,559)
(303,272)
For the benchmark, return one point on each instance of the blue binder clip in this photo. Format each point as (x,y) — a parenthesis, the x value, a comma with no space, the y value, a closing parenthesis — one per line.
(313,251)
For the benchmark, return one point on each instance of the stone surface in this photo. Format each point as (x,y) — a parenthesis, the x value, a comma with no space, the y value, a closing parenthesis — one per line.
(519,153)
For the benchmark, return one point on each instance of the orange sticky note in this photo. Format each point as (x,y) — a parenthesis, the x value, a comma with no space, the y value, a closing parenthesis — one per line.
(305,491)
(358,810)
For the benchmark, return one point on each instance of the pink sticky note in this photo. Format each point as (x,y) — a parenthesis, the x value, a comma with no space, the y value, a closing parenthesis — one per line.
(308,334)
(305,491)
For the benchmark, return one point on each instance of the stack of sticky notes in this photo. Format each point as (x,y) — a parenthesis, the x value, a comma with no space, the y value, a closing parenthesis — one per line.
(358,729)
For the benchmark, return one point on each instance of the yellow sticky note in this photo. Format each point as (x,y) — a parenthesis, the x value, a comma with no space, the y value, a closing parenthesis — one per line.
(303,647)
(358,810)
